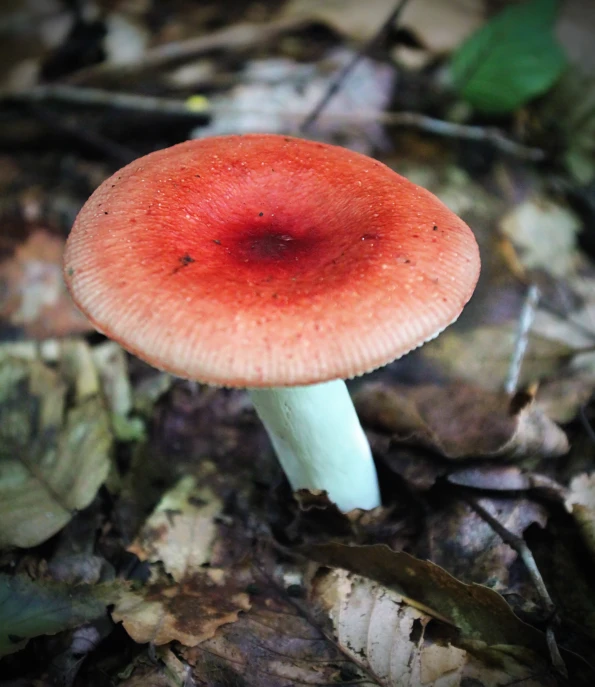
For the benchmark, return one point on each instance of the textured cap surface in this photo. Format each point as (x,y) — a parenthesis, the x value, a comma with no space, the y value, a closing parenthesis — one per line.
(263,260)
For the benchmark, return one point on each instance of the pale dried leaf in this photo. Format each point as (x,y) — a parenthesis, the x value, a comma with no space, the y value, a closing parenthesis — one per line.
(181,529)
(378,629)
(440,27)
(276,95)
(54,452)
(544,233)
(581,503)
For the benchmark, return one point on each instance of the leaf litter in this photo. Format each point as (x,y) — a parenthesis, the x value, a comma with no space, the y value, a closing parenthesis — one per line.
(182,496)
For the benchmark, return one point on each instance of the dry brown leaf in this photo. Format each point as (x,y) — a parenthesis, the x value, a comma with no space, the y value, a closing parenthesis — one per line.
(271,645)
(461,421)
(485,625)
(33,296)
(208,589)
(462,542)
(375,627)
(440,27)
(189,612)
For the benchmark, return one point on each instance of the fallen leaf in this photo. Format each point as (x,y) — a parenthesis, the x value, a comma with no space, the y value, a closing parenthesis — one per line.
(55,441)
(544,234)
(276,95)
(31,608)
(485,625)
(482,356)
(438,26)
(273,644)
(206,581)
(461,541)
(181,529)
(168,671)
(461,421)
(581,503)
(400,645)
(33,297)
(189,612)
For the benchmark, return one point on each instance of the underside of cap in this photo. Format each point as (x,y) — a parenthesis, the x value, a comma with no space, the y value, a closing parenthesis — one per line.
(264,260)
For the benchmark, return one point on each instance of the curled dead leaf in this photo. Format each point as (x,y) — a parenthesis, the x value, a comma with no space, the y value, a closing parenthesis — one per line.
(401,645)
(460,421)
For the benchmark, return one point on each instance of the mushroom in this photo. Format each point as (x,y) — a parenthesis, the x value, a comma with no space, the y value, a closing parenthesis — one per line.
(280,265)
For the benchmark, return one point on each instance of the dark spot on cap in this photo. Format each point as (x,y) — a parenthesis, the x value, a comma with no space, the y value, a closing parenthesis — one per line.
(70,271)
(435,228)
(261,214)
(197,176)
(105,212)
(186,260)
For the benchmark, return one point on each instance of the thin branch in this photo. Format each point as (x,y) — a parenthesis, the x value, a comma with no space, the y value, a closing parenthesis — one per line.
(180,108)
(350,66)
(519,545)
(522,339)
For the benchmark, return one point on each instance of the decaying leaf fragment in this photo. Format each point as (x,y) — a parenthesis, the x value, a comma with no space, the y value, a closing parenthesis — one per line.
(181,529)
(581,503)
(180,534)
(31,608)
(189,612)
(399,644)
(55,439)
(475,618)
(462,421)
(33,296)
(273,644)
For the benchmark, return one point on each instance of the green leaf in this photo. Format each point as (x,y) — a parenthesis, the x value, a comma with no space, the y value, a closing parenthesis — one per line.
(512,59)
(29,608)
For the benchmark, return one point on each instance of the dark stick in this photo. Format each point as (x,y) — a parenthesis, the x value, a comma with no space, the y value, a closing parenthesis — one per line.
(348,68)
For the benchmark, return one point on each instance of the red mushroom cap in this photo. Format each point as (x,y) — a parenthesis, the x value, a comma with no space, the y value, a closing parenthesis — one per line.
(263,260)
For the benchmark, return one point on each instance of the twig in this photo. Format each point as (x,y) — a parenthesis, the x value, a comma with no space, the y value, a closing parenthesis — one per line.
(119,153)
(179,108)
(237,37)
(586,423)
(522,339)
(519,545)
(349,67)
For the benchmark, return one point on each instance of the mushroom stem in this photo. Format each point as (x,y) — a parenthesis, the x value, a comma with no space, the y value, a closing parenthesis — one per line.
(319,441)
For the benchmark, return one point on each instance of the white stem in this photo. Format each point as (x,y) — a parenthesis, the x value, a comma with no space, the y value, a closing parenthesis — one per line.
(320,442)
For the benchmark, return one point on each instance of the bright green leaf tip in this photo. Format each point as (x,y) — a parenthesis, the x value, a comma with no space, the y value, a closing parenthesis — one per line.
(511,59)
